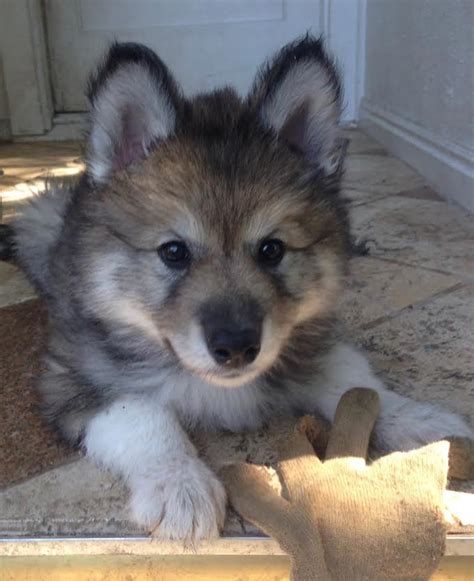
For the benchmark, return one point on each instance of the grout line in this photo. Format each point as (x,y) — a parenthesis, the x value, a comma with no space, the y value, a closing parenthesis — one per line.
(74,456)
(376,153)
(395,314)
(392,195)
(354,204)
(465,279)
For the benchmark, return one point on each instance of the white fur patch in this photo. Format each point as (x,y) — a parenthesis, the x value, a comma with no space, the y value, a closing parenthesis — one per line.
(173,493)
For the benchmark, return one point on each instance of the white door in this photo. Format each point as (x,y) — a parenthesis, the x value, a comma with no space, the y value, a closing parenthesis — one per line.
(206,43)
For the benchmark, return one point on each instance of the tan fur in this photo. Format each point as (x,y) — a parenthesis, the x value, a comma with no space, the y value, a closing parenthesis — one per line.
(181,192)
(143,344)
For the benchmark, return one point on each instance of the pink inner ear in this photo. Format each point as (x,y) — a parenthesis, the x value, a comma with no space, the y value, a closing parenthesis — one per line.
(127,154)
(134,135)
(294,131)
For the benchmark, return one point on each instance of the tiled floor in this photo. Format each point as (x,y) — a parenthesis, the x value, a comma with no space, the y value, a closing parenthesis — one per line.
(26,165)
(409,303)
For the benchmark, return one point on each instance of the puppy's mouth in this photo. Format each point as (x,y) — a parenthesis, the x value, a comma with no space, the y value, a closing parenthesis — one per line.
(226,377)
(234,378)
(216,374)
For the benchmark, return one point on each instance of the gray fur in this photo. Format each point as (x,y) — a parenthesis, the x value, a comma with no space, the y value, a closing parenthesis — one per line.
(38,229)
(221,174)
(91,249)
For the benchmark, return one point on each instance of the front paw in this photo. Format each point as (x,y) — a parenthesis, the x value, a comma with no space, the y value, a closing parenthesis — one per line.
(413,425)
(184,501)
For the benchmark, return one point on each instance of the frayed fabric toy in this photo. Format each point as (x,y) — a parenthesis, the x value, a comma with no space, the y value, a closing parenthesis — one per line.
(342,518)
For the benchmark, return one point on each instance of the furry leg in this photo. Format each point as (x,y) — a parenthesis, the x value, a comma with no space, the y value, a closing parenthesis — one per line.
(173,492)
(403,424)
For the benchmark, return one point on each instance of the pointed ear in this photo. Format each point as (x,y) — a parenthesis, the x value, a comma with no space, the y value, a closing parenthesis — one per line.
(134,102)
(298,94)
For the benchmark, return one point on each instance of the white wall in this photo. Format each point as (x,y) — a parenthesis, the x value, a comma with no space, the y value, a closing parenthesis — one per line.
(261,28)
(419,88)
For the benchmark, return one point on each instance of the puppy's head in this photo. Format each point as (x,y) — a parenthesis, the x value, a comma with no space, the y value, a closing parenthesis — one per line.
(215,223)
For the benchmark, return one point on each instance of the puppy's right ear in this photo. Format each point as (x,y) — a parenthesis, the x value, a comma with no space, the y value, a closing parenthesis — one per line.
(134,103)
(298,95)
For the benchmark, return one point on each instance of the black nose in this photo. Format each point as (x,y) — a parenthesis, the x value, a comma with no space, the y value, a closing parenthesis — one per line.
(234,347)
(232,327)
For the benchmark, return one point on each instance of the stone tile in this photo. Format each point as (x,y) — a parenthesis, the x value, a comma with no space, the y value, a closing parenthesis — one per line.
(377,288)
(22,190)
(10,210)
(27,161)
(7,191)
(8,182)
(423,233)
(14,288)
(421,193)
(7,212)
(43,153)
(371,177)
(426,352)
(360,142)
(70,169)
(77,498)
(358,197)
(26,171)
(13,198)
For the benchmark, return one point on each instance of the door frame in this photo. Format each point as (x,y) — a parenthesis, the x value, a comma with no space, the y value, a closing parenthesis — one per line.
(28,81)
(25,67)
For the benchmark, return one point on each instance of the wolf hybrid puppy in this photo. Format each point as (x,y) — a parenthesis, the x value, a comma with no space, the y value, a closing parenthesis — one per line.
(192,277)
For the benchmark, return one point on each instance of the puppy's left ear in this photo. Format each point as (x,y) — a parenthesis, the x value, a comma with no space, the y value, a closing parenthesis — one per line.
(298,94)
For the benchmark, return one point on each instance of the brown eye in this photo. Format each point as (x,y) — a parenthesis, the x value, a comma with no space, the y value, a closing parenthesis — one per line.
(174,254)
(271,252)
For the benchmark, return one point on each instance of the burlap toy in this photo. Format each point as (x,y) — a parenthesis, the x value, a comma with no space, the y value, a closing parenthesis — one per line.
(343,519)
